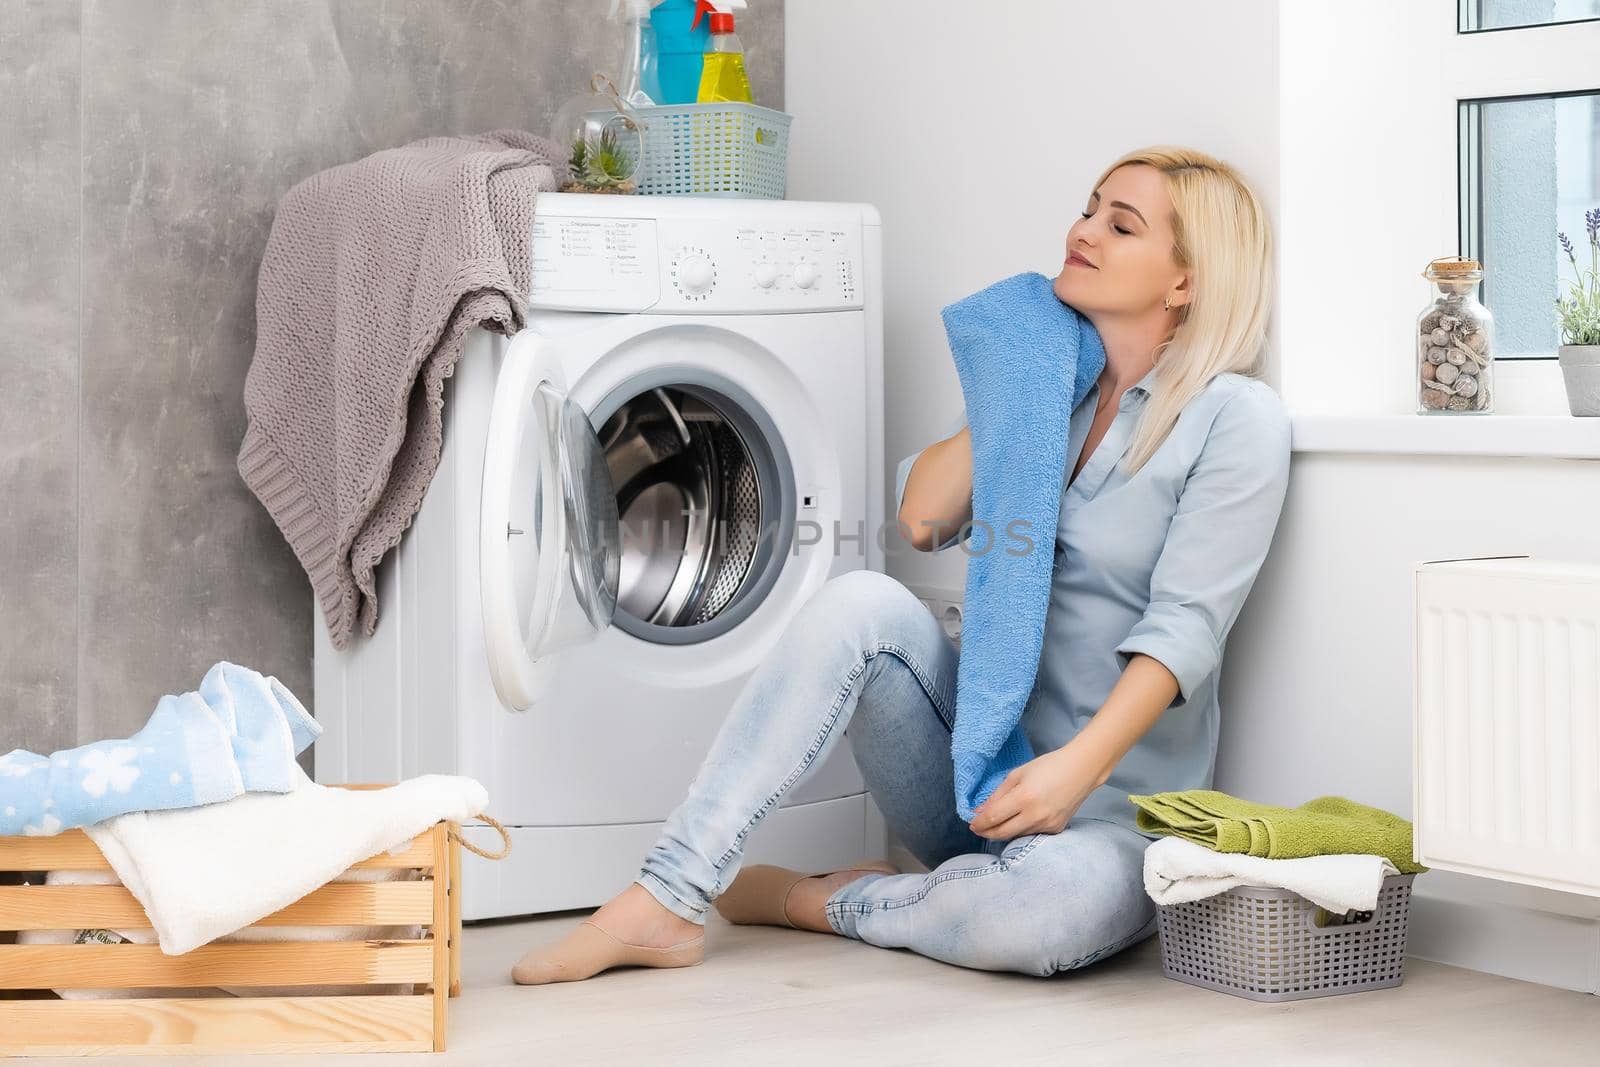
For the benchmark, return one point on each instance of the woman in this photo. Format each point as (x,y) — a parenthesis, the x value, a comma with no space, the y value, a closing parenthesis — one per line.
(1171,264)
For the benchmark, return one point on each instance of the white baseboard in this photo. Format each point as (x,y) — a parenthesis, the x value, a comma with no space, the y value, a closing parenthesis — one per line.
(1503,929)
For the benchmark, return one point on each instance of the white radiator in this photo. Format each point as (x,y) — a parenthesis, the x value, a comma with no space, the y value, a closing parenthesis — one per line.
(1506,720)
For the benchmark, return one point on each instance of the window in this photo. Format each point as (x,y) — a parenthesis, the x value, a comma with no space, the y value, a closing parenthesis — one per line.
(1437,148)
(1530,167)
(1478,15)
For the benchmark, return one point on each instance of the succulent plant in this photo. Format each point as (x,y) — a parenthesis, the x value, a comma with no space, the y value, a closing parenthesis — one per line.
(600,162)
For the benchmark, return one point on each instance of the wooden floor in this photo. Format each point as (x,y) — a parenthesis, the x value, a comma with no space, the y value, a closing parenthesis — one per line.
(772,996)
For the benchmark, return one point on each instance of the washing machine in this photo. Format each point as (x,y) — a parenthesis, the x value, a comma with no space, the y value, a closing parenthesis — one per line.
(636,494)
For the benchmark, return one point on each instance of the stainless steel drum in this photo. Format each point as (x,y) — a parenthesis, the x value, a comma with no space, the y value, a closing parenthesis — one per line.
(692,502)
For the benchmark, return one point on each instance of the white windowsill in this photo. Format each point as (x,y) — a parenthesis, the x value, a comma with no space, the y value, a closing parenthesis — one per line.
(1545,436)
(1532,421)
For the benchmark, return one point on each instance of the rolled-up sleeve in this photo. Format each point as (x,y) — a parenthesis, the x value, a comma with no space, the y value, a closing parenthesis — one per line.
(1219,536)
(903,473)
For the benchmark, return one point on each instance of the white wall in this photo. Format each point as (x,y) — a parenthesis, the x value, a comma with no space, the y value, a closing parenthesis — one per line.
(978,140)
(1317,678)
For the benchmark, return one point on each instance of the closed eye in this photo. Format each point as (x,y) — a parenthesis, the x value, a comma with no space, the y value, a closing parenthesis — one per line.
(1119,229)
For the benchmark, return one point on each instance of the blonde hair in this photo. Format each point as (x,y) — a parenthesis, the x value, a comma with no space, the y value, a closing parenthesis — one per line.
(1223,238)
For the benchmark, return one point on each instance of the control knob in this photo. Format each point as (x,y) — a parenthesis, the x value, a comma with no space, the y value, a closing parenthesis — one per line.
(696,275)
(806,274)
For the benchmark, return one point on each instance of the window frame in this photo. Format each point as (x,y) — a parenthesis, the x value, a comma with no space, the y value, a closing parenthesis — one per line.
(1467,10)
(1469,165)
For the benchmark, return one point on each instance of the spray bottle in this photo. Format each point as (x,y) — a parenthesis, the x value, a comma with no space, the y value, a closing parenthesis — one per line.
(680,45)
(638,78)
(723,75)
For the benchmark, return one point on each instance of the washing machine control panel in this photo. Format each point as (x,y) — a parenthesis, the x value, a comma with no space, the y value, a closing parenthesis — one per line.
(696,265)
(799,267)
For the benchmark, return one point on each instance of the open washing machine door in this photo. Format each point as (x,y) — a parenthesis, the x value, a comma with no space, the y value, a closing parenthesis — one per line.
(550,543)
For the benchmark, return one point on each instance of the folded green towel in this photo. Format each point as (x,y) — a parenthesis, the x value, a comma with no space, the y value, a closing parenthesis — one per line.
(1320,827)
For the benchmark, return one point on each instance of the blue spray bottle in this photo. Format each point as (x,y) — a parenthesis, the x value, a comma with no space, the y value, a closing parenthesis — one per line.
(681,38)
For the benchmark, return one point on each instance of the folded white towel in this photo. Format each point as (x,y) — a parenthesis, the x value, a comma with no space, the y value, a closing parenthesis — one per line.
(1177,870)
(208,871)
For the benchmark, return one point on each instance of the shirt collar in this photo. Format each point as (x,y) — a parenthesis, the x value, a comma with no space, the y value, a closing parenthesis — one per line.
(1143,386)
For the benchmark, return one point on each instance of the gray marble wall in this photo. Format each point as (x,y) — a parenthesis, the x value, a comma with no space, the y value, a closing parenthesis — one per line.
(143,147)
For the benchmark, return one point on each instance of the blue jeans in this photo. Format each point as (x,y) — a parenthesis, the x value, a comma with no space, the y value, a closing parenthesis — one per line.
(1038,904)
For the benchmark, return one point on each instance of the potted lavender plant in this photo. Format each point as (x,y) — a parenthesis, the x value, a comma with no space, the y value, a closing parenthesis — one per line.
(1580,325)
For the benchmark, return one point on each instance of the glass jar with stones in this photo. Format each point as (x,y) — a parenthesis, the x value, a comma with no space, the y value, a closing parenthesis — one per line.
(1455,342)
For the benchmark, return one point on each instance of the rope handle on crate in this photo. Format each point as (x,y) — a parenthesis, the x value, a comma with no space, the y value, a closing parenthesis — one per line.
(505,838)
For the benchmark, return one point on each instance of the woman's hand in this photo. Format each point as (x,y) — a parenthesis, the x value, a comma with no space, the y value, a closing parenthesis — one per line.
(1040,796)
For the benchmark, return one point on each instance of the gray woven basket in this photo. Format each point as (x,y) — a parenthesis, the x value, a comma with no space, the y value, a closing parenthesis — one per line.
(1273,944)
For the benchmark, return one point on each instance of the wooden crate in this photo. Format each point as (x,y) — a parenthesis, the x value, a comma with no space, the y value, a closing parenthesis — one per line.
(35,1026)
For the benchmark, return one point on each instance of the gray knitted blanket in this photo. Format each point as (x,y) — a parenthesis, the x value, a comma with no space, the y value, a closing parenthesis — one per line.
(373,273)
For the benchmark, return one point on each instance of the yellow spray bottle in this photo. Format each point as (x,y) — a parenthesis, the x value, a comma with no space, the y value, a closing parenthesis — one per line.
(723,77)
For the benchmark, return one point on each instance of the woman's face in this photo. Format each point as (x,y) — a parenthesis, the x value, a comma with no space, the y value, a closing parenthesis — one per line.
(1126,236)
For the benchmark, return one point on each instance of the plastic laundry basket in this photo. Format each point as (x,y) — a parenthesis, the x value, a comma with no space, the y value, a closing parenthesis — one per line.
(724,149)
(1273,944)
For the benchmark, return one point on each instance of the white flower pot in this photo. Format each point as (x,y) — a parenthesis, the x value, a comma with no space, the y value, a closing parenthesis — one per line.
(1580,369)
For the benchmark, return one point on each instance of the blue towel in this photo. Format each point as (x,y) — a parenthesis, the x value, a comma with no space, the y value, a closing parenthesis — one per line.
(1025,361)
(239,733)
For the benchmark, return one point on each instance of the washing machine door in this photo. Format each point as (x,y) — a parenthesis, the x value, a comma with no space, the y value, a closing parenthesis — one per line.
(550,544)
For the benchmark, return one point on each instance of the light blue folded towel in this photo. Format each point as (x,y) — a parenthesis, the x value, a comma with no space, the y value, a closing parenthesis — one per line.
(238,734)
(1025,361)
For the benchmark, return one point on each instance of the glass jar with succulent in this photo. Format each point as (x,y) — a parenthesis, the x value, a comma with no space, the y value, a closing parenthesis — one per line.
(600,163)
(605,138)
(1579,316)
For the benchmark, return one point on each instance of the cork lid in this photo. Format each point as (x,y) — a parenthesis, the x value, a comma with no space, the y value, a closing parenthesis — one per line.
(1453,265)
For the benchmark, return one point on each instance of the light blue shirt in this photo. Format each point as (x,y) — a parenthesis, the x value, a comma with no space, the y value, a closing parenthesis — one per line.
(1159,563)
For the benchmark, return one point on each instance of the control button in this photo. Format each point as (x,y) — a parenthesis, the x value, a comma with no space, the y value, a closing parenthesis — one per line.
(806,275)
(696,275)
(766,275)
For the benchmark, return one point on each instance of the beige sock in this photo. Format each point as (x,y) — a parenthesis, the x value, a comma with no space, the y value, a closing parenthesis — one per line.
(588,950)
(760,893)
